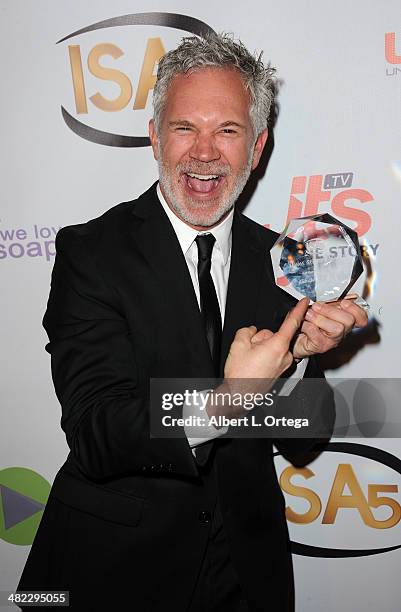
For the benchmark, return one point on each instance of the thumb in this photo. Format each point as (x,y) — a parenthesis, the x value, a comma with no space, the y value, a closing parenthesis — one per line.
(245,333)
(263,334)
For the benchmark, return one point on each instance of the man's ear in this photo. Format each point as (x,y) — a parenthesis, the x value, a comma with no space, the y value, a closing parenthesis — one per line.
(153,139)
(258,148)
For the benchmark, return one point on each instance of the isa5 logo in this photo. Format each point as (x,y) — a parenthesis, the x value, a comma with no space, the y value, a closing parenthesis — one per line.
(347,504)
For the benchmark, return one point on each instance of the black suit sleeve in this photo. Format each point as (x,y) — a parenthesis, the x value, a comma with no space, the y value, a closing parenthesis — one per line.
(312,398)
(105,406)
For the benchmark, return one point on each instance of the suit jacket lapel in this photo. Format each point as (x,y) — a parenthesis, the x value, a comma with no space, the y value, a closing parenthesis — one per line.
(250,281)
(158,243)
(249,273)
(244,281)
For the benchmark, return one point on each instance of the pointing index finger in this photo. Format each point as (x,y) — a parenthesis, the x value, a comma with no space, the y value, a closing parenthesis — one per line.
(293,320)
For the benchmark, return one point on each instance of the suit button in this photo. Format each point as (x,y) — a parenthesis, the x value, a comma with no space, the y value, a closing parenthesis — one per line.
(205,517)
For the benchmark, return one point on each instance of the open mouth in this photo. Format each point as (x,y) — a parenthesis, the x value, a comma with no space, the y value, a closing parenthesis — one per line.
(202,184)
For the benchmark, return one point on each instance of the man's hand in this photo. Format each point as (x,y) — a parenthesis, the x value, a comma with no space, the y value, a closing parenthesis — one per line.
(325,325)
(264,354)
(259,357)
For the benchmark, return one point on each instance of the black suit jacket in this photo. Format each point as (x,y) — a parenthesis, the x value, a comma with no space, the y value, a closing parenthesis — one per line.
(126,513)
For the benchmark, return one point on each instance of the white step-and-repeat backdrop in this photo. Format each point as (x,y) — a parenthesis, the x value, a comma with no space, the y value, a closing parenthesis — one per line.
(77,82)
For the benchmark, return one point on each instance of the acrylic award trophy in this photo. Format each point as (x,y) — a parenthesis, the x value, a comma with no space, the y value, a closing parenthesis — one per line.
(318,257)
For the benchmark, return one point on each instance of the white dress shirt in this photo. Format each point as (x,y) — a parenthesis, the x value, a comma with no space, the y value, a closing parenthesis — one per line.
(221,254)
(220,269)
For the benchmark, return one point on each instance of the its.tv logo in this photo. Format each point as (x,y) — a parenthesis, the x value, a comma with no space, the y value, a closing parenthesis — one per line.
(333,193)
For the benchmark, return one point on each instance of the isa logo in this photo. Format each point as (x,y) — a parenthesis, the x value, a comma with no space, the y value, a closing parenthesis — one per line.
(113,72)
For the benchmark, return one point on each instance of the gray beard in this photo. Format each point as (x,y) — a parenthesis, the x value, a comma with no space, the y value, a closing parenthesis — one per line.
(193,215)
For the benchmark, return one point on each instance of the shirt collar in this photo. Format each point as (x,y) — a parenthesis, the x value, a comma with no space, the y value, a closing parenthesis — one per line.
(186,235)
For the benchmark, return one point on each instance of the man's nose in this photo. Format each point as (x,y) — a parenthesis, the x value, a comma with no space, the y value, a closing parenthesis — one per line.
(204,148)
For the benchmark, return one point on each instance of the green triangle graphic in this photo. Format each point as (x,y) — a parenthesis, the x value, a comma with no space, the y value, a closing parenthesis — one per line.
(23,496)
(17,507)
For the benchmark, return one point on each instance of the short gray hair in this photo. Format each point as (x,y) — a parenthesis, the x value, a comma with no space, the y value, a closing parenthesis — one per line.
(219,51)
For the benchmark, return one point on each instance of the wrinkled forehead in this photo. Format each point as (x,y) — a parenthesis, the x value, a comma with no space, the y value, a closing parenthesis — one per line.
(206,89)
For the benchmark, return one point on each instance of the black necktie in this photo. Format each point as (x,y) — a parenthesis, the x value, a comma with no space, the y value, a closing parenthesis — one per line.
(208,299)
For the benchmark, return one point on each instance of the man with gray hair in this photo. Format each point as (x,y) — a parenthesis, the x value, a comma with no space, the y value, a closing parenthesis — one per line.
(177,284)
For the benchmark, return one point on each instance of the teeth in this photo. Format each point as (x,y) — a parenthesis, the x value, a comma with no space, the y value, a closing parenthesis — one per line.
(203,177)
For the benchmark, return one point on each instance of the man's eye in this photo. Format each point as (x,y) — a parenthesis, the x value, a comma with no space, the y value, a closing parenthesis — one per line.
(183,128)
(228,131)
